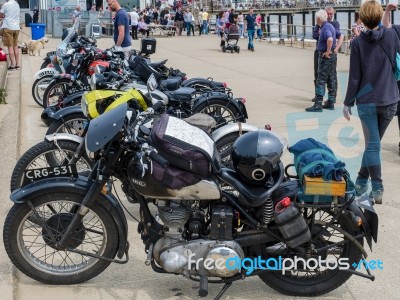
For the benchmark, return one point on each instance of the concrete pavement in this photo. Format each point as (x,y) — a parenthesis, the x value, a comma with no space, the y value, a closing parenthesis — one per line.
(277,82)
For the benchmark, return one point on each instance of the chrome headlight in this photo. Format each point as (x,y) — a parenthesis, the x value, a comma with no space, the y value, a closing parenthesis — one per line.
(84,105)
(92,82)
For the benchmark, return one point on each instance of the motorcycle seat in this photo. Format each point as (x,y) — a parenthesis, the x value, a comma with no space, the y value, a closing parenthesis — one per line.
(157,64)
(171,84)
(183,93)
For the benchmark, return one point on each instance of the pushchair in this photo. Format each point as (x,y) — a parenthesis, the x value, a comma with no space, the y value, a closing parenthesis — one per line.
(231,37)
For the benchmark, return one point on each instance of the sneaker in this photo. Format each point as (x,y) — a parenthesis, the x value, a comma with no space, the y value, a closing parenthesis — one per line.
(361,186)
(11,68)
(328,105)
(377,195)
(315,108)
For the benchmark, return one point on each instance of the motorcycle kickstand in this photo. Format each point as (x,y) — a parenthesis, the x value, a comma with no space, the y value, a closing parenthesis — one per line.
(224,289)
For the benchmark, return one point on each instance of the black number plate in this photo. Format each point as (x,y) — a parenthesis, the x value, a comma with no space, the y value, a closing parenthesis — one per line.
(59,171)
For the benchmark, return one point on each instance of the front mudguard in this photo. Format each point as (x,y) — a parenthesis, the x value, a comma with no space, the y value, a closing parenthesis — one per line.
(80,187)
(45,72)
(62,113)
(63,137)
(230,128)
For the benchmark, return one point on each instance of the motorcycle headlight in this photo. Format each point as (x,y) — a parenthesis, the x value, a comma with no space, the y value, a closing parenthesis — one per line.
(84,105)
(92,82)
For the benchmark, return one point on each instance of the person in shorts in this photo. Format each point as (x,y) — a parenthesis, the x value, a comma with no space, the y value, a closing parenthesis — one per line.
(10,11)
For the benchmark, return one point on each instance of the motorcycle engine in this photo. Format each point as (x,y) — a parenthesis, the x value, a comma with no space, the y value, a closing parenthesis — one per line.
(198,256)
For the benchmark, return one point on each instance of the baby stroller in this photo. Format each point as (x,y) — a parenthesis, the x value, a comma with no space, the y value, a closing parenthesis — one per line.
(231,37)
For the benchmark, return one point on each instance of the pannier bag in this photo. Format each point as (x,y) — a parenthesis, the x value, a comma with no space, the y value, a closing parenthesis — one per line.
(183,145)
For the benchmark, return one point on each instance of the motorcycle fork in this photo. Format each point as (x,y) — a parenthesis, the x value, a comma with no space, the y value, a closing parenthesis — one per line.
(95,189)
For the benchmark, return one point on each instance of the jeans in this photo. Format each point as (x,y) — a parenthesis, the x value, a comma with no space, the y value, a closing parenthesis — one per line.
(188,27)
(241,30)
(205,27)
(250,34)
(375,120)
(326,77)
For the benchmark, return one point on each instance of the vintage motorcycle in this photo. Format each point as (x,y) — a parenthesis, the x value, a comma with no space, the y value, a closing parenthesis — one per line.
(68,229)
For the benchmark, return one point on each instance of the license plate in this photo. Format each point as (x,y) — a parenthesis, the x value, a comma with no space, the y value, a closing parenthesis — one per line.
(50,53)
(50,172)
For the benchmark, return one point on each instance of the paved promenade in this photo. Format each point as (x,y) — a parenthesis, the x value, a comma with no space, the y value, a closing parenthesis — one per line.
(277,82)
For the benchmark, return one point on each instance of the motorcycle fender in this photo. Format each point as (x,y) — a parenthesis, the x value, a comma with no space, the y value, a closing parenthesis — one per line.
(230,128)
(45,72)
(199,80)
(74,97)
(76,186)
(69,109)
(64,75)
(369,222)
(63,136)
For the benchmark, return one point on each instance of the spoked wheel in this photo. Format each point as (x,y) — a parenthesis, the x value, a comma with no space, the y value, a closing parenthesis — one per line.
(54,93)
(316,279)
(39,87)
(47,154)
(32,246)
(73,124)
(223,111)
(225,146)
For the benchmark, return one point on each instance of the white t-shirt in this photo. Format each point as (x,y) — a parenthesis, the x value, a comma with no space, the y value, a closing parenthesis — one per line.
(11,13)
(134,18)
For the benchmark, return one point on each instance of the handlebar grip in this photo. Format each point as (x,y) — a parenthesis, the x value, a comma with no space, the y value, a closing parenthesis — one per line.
(158,105)
(158,159)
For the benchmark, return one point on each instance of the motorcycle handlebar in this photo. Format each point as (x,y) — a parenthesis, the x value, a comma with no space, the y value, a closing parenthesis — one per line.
(158,159)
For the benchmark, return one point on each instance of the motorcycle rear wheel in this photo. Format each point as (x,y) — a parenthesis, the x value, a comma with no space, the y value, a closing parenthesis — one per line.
(72,123)
(31,249)
(318,282)
(222,110)
(37,92)
(46,154)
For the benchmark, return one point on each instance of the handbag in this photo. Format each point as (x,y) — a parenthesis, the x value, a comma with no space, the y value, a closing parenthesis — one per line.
(396,66)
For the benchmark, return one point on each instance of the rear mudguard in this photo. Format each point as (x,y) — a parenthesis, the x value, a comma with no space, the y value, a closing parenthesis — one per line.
(78,186)
(369,219)
(51,114)
(64,137)
(230,128)
(206,97)
(73,99)
(47,115)
(199,80)
(45,72)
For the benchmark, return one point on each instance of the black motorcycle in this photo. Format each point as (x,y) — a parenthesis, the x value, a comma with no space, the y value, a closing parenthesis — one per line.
(68,229)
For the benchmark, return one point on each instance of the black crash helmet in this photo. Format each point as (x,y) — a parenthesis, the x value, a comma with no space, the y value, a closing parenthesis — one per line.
(255,155)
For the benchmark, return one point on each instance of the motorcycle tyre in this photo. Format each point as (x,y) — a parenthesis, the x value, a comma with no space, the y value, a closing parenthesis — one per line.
(18,213)
(314,286)
(227,140)
(237,114)
(57,124)
(53,83)
(37,150)
(35,88)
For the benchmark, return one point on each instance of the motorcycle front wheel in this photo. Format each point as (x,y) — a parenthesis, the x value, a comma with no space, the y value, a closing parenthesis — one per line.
(222,110)
(307,282)
(72,123)
(31,244)
(55,91)
(39,87)
(48,154)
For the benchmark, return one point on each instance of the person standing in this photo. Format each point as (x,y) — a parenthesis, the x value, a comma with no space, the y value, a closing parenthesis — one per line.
(179,20)
(122,38)
(332,83)
(357,27)
(134,23)
(373,88)
(188,21)
(204,18)
(10,11)
(76,14)
(240,21)
(326,60)
(250,25)
(199,22)
(221,27)
(35,15)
